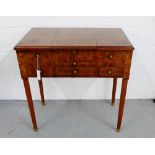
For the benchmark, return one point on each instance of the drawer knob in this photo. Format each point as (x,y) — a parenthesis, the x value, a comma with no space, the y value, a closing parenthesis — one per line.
(74,63)
(110,56)
(74,52)
(75,72)
(109,72)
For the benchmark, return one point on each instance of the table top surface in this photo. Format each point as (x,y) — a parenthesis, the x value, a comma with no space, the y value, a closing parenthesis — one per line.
(87,38)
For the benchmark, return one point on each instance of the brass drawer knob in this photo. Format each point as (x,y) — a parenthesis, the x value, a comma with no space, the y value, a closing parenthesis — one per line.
(74,52)
(74,63)
(109,72)
(110,56)
(75,72)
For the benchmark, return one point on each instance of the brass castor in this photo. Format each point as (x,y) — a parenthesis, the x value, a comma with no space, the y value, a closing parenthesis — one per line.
(36,129)
(117,130)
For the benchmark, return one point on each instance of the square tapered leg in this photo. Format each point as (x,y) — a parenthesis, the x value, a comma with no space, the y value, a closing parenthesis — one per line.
(41,91)
(30,103)
(114,91)
(122,103)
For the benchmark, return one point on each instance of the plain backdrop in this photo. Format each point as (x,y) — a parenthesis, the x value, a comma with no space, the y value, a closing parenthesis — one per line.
(80,8)
(139,30)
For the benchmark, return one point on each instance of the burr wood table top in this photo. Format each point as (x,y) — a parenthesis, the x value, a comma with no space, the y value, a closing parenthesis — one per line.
(87,38)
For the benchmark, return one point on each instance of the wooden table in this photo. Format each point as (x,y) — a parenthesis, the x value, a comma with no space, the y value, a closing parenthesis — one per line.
(75,53)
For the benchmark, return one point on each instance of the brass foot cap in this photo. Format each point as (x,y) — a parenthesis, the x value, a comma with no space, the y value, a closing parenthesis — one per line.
(43,103)
(117,130)
(112,104)
(36,129)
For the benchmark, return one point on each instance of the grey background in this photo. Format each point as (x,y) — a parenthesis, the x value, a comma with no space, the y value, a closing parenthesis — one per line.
(77,119)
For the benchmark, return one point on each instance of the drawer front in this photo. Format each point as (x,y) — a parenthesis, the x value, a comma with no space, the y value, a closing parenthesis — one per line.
(76,64)
(28,63)
(63,58)
(70,58)
(85,56)
(63,72)
(110,58)
(75,72)
(85,72)
(110,72)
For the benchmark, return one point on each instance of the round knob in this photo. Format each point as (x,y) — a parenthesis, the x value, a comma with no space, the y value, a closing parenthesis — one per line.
(110,56)
(74,72)
(74,52)
(74,63)
(109,71)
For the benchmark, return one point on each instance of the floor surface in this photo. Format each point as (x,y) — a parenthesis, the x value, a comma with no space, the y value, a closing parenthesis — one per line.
(77,119)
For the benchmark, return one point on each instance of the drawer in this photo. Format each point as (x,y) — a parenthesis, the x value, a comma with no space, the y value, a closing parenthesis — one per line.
(28,63)
(76,64)
(62,57)
(85,56)
(75,72)
(85,72)
(110,58)
(110,72)
(73,55)
(64,71)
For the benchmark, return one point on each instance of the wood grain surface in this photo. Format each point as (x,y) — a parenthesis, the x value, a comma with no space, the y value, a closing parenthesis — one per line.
(88,38)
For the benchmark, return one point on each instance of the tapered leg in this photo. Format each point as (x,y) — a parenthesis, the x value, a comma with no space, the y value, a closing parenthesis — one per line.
(114,90)
(30,103)
(41,91)
(122,102)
